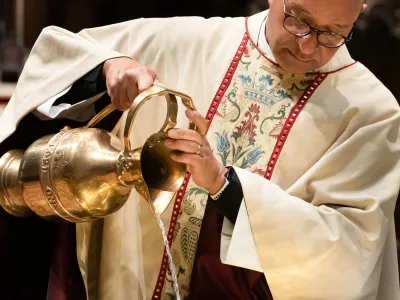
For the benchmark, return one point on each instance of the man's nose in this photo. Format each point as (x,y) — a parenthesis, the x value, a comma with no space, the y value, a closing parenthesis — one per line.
(308,44)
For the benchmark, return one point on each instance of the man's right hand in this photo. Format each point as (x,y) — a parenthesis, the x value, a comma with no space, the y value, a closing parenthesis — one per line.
(125,79)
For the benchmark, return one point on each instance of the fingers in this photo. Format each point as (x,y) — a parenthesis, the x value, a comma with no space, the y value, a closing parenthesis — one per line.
(186,134)
(127,88)
(187,140)
(114,89)
(111,83)
(198,120)
(125,79)
(132,82)
(189,147)
(146,78)
(187,158)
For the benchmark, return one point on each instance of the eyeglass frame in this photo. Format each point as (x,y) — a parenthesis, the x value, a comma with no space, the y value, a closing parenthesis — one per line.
(346,39)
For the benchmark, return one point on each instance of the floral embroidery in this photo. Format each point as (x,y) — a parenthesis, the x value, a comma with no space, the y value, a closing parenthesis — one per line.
(223,146)
(280,114)
(245,63)
(246,52)
(177,229)
(231,98)
(266,78)
(283,94)
(189,239)
(252,157)
(262,89)
(276,130)
(245,79)
(188,206)
(242,146)
(195,221)
(168,277)
(258,171)
(221,111)
(245,133)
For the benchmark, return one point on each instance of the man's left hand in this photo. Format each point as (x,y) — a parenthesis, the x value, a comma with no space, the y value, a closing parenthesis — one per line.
(192,148)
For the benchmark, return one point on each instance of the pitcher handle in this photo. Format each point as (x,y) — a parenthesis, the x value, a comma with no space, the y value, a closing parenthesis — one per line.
(172,110)
(101,115)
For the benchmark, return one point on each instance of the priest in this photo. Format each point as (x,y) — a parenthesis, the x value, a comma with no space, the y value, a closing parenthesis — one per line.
(293,173)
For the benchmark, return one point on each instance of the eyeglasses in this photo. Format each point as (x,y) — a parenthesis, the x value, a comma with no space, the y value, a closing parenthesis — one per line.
(301,28)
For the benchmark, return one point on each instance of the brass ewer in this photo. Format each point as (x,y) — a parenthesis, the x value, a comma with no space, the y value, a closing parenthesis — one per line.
(87,173)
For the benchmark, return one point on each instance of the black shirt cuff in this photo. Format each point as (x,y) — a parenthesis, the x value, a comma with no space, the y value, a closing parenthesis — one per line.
(89,85)
(228,204)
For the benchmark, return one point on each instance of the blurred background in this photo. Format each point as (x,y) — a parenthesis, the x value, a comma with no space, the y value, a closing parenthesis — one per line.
(376,41)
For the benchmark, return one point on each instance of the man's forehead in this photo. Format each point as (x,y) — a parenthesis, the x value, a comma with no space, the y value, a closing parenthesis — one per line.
(343,11)
(308,5)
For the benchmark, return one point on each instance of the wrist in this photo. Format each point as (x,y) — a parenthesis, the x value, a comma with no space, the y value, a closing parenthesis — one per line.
(218,194)
(106,66)
(219,182)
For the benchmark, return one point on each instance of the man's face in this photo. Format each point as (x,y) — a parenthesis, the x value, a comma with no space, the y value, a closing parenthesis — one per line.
(304,54)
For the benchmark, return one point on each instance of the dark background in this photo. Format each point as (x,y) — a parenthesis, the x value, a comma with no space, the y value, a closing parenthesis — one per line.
(376,41)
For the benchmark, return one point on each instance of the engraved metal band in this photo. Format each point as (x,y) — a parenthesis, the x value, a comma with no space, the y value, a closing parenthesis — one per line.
(46,177)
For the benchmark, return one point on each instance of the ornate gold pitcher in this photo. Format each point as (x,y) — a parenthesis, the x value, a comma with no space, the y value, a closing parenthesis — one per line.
(86,173)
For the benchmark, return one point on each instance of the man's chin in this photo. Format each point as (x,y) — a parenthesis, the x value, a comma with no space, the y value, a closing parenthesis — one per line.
(297,68)
(293,65)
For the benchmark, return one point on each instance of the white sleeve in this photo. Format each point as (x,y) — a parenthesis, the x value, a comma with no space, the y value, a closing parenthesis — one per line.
(232,249)
(323,238)
(81,111)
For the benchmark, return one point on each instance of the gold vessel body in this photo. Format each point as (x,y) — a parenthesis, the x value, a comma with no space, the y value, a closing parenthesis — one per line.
(85,174)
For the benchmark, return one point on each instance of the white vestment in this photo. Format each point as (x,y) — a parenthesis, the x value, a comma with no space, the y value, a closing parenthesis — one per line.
(321,227)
